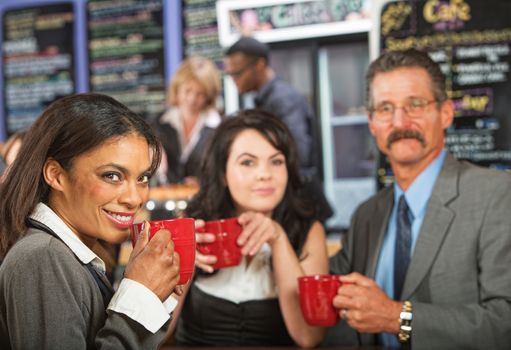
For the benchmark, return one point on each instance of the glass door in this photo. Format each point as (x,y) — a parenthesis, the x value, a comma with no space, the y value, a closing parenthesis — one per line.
(349,152)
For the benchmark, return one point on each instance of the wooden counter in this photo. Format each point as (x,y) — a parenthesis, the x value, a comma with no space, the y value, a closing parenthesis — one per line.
(173,192)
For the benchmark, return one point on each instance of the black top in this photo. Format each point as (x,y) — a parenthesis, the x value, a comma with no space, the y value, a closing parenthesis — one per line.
(169,138)
(210,321)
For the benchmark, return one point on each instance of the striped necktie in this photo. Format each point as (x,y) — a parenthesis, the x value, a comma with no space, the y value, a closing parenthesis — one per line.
(403,246)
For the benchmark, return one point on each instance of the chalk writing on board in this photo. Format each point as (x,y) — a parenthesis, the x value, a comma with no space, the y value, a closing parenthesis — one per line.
(126,53)
(200,30)
(471,41)
(38,61)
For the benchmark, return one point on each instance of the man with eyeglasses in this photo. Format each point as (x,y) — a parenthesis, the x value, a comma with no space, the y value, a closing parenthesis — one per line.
(426,262)
(247,63)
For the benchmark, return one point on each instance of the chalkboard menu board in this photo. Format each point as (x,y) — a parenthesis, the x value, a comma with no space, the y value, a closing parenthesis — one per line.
(126,53)
(200,32)
(38,61)
(471,40)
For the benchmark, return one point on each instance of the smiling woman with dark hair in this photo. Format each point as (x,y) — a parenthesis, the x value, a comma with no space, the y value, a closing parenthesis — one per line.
(81,175)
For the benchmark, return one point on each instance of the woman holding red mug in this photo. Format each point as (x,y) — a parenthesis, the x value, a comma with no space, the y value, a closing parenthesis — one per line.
(81,175)
(250,172)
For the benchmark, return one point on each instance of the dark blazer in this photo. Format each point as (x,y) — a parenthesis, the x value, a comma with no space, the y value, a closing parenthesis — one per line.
(168,136)
(286,103)
(49,300)
(177,171)
(459,278)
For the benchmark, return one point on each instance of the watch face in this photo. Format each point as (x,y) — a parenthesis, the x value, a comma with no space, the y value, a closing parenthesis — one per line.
(404,315)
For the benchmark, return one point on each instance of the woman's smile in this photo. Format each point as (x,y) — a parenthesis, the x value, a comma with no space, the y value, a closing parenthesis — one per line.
(120,220)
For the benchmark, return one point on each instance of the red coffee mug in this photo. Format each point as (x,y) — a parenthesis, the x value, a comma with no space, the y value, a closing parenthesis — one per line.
(182,233)
(224,247)
(316,295)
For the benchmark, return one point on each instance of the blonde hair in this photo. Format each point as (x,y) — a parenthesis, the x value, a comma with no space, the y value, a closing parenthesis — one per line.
(204,72)
(7,146)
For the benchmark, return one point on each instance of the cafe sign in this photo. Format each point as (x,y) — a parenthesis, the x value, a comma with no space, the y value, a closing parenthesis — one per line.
(290,20)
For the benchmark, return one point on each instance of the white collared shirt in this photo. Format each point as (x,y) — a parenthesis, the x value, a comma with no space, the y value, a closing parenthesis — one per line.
(241,283)
(209,118)
(131,298)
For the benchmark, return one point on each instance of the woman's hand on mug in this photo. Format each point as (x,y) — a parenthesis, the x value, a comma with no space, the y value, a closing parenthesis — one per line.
(154,263)
(204,262)
(257,230)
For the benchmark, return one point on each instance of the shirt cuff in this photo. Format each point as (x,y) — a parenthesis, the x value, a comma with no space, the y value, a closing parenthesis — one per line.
(139,303)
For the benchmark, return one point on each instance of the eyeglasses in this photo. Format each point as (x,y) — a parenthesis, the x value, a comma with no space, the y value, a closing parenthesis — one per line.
(414,108)
(239,72)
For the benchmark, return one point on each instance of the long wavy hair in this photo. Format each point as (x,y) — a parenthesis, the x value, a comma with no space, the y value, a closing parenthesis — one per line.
(68,128)
(214,200)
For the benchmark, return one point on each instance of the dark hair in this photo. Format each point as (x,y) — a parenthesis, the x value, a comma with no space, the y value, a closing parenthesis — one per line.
(250,47)
(68,128)
(214,200)
(410,58)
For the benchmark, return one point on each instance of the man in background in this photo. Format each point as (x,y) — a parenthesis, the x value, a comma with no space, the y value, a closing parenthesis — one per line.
(427,260)
(247,62)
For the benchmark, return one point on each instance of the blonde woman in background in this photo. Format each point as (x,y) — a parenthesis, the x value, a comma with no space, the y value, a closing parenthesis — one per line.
(188,124)
(9,152)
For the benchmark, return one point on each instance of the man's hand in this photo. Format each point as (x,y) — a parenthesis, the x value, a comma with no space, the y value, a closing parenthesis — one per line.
(365,306)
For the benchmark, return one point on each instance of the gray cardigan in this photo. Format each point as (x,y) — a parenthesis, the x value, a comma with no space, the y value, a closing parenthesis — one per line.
(49,300)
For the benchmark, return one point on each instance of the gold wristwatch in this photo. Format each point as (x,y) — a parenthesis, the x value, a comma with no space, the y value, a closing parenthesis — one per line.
(405,322)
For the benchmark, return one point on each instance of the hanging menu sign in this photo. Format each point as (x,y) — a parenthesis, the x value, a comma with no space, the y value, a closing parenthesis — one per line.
(471,40)
(38,61)
(200,32)
(283,20)
(126,53)
(295,14)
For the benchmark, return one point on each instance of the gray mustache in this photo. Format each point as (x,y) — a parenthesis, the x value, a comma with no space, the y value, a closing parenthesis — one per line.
(405,134)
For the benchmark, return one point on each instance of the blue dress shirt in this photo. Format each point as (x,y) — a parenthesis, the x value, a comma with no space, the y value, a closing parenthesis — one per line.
(417,197)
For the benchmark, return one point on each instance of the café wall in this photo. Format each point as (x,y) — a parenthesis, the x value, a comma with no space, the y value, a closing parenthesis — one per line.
(79,74)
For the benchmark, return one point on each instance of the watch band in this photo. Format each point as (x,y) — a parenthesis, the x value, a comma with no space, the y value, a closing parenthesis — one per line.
(405,322)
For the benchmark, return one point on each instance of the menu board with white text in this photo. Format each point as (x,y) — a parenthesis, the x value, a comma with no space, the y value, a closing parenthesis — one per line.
(38,61)
(471,40)
(200,31)
(126,57)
